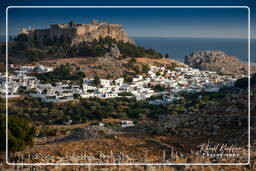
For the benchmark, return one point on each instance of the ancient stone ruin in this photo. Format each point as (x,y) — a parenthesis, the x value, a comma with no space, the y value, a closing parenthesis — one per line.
(78,33)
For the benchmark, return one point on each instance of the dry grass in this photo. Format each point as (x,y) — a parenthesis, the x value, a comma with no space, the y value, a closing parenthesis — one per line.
(105,66)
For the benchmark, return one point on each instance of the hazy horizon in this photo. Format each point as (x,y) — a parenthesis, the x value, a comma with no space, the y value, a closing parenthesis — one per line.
(2,37)
(178,47)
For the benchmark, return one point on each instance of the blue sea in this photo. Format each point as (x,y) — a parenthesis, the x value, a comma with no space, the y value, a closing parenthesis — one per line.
(177,48)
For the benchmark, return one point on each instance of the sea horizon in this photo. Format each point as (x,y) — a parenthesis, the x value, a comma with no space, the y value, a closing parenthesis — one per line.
(179,47)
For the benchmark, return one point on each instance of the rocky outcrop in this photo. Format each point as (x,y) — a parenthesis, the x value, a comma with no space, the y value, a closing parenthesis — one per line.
(90,132)
(214,60)
(114,52)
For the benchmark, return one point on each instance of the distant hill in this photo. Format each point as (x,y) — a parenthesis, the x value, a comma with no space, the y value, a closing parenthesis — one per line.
(218,61)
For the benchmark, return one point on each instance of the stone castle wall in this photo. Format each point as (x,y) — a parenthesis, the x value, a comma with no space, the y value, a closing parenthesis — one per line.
(80,32)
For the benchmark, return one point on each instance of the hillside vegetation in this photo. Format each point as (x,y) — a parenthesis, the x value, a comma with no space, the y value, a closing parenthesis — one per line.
(110,67)
(62,48)
(97,109)
(20,133)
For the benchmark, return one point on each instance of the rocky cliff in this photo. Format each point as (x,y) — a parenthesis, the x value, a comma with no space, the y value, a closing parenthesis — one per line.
(218,61)
(77,33)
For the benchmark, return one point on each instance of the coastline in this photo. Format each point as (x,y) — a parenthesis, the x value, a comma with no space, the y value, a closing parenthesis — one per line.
(178,47)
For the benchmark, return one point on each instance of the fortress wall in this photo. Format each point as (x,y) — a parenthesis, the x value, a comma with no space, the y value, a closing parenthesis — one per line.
(85,28)
(91,27)
(59,26)
(81,32)
(24,31)
(116,25)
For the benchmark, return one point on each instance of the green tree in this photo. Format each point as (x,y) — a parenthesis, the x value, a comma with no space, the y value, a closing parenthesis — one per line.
(96,80)
(145,69)
(76,96)
(125,94)
(22,37)
(2,133)
(35,42)
(158,73)
(73,51)
(133,60)
(78,75)
(20,133)
(166,55)
(253,79)
(136,69)
(128,79)
(34,55)
(71,23)
(158,88)
(61,40)
(241,83)
(47,41)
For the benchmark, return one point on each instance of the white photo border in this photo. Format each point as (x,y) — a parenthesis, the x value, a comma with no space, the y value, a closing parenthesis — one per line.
(128,164)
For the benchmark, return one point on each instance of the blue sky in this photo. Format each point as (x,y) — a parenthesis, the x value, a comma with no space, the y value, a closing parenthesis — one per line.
(230,23)
(151,22)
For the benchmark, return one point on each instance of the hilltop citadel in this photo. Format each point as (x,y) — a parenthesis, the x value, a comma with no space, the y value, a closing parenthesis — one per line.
(78,33)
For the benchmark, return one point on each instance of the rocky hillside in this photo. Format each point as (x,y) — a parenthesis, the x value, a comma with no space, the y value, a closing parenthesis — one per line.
(90,132)
(227,118)
(219,61)
(29,47)
(173,139)
(107,67)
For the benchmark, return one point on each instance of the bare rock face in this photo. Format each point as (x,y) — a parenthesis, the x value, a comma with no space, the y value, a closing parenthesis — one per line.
(90,132)
(114,52)
(214,60)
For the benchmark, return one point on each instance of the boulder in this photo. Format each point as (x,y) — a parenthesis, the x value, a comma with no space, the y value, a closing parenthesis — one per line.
(90,132)
(114,52)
